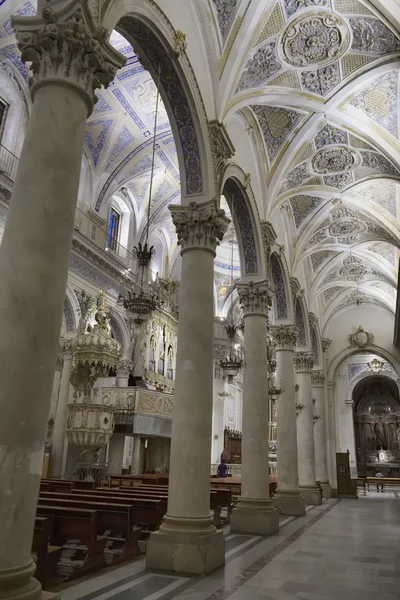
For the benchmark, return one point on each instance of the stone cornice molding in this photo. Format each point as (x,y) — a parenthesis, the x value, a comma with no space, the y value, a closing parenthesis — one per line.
(285,336)
(66,48)
(199,226)
(255,298)
(304,362)
(325,343)
(91,251)
(317,378)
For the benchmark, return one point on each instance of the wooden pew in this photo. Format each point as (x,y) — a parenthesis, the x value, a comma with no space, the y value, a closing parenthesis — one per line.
(47,556)
(118,518)
(76,524)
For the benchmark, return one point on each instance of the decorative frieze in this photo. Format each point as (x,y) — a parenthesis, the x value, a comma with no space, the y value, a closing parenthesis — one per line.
(304,362)
(64,47)
(255,298)
(317,378)
(285,336)
(199,225)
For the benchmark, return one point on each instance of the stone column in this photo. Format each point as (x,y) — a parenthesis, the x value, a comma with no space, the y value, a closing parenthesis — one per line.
(321,465)
(123,370)
(187,541)
(305,429)
(57,451)
(135,469)
(255,513)
(138,357)
(217,445)
(69,60)
(287,498)
(116,447)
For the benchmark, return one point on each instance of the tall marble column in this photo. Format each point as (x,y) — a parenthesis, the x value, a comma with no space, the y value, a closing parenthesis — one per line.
(135,469)
(305,429)
(187,541)
(69,59)
(287,498)
(60,421)
(321,465)
(255,513)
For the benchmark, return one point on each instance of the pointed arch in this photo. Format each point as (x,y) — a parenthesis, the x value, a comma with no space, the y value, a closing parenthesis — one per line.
(280,300)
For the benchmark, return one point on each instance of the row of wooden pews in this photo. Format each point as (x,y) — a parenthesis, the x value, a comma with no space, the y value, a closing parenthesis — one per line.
(80,528)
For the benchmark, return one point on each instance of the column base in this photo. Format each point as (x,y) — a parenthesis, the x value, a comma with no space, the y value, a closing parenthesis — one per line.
(311,494)
(255,516)
(289,502)
(326,489)
(184,545)
(18,584)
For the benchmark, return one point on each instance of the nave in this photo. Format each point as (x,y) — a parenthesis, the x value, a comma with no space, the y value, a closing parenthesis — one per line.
(356,539)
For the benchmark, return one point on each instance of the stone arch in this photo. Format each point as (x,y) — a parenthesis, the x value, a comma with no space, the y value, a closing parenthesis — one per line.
(315,340)
(301,323)
(69,314)
(280,300)
(120,332)
(152,37)
(347,352)
(365,375)
(246,227)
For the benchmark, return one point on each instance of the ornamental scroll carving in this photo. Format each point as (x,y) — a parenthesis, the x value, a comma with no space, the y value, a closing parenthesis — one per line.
(317,378)
(361,338)
(285,336)
(255,298)
(199,225)
(335,160)
(304,362)
(314,39)
(64,46)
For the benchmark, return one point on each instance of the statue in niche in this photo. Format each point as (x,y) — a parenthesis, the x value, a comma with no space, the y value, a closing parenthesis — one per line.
(380,434)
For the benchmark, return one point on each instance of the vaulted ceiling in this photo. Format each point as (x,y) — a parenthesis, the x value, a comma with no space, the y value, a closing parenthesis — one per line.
(314,84)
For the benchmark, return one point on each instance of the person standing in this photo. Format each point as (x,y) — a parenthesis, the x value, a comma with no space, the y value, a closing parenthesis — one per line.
(379,485)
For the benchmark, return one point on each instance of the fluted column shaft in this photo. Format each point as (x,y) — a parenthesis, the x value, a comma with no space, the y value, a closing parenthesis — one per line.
(255,512)
(287,498)
(305,429)
(187,526)
(332,445)
(68,61)
(60,421)
(321,465)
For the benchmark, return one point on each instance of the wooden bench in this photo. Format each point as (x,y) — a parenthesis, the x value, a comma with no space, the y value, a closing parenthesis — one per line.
(115,520)
(391,481)
(76,524)
(47,556)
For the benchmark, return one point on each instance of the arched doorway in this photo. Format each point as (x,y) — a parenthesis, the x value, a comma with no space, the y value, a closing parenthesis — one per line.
(376,413)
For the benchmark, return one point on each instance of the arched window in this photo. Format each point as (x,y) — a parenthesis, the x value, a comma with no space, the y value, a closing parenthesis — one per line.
(152,354)
(161,353)
(170,364)
(113,232)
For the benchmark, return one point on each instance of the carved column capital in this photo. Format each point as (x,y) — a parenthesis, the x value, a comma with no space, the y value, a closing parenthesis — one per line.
(255,298)
(199,225)
(325,343)
(66,346)
(317,378)
(222,150)
(285,336)
(66,48)
(124,368)
(303,362)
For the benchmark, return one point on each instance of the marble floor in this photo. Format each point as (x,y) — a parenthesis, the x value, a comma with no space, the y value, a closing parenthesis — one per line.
(341,550)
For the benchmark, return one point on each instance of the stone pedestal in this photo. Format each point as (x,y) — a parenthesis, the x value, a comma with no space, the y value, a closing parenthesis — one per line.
(60,421)
(305,430)
(321,465)
(34,264)
(187,542)
(287,498)
(255,513)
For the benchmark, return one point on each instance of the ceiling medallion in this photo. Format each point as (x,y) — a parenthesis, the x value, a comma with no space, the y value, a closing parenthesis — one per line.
(345,227)
(335,160)
(314,39)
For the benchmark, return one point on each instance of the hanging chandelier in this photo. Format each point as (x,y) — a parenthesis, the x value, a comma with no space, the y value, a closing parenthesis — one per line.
(231,365)
(142,302)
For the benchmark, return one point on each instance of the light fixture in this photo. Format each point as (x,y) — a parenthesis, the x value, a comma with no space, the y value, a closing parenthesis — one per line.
(231,365)
(142,302)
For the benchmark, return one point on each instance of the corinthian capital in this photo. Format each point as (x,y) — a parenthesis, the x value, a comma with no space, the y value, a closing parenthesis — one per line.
(317,378)
(65,47)
(199,225)
(303,362)
(255,298)
(325,343)
(286,336)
